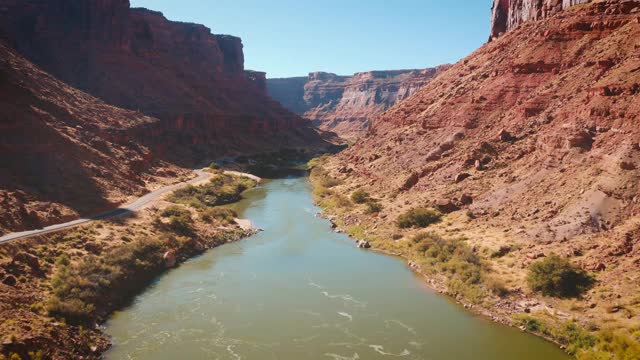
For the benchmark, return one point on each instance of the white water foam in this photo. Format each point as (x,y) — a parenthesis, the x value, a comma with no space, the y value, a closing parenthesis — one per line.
(346,298)
(347,315)
(380,350)
(402,325)
(340,357)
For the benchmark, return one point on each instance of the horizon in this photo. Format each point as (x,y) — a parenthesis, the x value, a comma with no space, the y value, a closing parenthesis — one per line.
(437,33)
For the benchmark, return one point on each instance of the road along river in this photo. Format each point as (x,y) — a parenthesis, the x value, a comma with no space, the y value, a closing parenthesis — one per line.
(299,291)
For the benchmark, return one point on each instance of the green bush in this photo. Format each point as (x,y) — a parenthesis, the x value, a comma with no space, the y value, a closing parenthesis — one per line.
(360,196)
(221,190)
(222,215)
(214,166)
(373,207)
(455,259)
(418,218)
(556,276)
(611,346)
(180,220)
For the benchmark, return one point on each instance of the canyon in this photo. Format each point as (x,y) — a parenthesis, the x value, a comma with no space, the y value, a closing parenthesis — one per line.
(193,81)
(530,144)
(104,99)
(346,104)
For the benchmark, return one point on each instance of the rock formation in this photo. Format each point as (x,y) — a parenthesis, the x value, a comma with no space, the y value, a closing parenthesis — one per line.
(63,152)
(346,104)
(509,14)
(192,80)
(545,119)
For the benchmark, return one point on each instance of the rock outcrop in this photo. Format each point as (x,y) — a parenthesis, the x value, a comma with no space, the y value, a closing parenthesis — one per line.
(509,14)
(64,153)
(181,73)
(346,104)
(545,119)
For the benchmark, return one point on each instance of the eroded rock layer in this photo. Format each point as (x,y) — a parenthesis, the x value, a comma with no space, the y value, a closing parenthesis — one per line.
(536,136)
(64,153)
(192,80)
(509,14)
(346,104)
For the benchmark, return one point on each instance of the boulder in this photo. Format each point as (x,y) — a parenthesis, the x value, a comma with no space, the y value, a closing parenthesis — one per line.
(461,177)
(596,266)
(27,259)
(478,165)
(446,206)
(627,165)
(534,256)
(10,280)
(411,181)
(169,259)
(466,199)
(505,136)
(362,244)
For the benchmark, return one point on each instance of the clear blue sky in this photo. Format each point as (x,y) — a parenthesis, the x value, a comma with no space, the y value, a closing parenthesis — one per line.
(294,37)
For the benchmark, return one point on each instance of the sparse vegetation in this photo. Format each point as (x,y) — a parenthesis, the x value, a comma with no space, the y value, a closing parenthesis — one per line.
(418,218)
(360,196)
(221,190)
(373,207)
(454,258)
(223,215)
(78,288)
(180,221)
(555,276)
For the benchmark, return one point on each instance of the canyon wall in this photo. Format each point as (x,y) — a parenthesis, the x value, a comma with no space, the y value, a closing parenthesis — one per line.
(64,153)
(508,14)
(347,104)
(192,80)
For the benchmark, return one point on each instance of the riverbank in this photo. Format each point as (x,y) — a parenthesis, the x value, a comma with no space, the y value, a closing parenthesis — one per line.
(457,262)
(57,289)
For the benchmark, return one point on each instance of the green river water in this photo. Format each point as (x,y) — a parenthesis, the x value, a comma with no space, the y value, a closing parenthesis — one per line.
(300,291)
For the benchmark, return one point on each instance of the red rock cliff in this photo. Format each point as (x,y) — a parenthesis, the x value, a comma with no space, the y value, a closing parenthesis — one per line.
(192,80)
(508,14)
(346,104)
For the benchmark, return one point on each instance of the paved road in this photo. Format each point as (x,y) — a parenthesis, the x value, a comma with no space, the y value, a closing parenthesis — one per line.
(130,208)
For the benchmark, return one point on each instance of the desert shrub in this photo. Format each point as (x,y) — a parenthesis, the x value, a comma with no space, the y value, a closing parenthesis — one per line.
(496,286)
(373,207)
(502,251)
(360,196)
(322,178)
(79,289)
(454,258)
(222,215)
(214,166)
(611,346)
(556,276)
(180,220)
(418,218)
(221,190)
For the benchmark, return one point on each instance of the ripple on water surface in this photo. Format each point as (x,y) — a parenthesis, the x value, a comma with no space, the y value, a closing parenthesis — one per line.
(300,291)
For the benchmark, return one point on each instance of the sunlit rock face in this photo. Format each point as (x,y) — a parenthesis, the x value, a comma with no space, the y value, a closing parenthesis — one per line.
(508,14)
(347,104)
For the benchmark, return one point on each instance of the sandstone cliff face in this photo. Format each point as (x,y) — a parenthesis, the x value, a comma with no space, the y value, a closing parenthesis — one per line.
(509,14)
(346,104)
(192,80)
(64,153)
(540,129)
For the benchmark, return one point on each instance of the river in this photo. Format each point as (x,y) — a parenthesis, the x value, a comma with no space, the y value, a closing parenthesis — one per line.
(297,291)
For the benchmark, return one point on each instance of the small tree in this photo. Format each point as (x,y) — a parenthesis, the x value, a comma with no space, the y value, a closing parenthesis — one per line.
(556,276)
